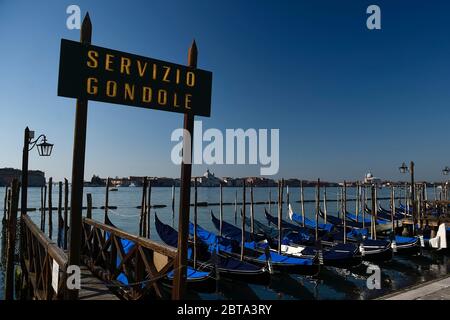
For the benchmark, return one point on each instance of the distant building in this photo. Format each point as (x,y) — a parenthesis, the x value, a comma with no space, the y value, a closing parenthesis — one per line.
(370,179)
(209,180)
(36,178)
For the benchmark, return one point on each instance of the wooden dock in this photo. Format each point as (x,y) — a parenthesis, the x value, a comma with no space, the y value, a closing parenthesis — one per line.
(93,288)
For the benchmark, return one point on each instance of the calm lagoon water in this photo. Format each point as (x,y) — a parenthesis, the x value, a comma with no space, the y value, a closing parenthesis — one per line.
(332,283)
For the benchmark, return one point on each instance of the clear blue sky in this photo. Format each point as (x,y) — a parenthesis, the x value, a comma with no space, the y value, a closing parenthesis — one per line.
(346,100)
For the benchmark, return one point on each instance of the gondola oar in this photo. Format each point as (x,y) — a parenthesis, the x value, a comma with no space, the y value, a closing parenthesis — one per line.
(317,208)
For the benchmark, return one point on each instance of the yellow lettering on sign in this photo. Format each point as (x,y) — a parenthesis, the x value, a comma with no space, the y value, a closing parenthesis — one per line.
(162,97)
(146,94)
(108,62)
(175,100)
(177,78)
(91,88)
(129,91)
(190,79)
(92,55)
(111,89)
(125,64)
(154,71)
(166,74)
(141,69)
(187,101)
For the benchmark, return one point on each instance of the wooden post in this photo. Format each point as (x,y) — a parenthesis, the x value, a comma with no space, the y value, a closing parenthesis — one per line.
(235,207)
(280,199)
(185,196)
(373,217)
(270,200)
(252,213)
(45,208)
(357,201)
(344,211)
(66,211)
(220,209)
(317,208)
(149,207)
(173,202)
(325,205)
(50,207)
(42,208)
(143,199)
(392,207)
(89,206)
(79,151)
(302,200)
(106,199)
(364,204)
(243,221)
(195,221)
(5,205)
(12,224)
(60,218)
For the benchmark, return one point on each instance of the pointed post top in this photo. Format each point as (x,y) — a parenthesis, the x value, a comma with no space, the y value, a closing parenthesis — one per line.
(86,29)
(192,55)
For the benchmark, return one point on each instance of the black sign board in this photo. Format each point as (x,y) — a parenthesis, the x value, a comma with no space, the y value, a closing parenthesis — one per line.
(95,73)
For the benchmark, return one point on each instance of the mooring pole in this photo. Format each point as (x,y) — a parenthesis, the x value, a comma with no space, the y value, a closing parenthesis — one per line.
(4,205)
(392,207)
(42,208)
(317,208)
(12,224)
(220,209)
(195,222)
(270,200)
(302,200)
(243,221)
(344,211)
(66,211)
(60,218)
(89,206)
(280,200)
(105,218)
(149,206)
(252,213)
(50,207)
(364,204)
(185,195)
(235,207)
(79,150)
(372,220)
(24,196)
(357,201)
(325,206)
(413,198)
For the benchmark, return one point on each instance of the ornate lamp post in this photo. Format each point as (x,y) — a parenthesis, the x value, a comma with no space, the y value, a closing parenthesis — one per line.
(44,150)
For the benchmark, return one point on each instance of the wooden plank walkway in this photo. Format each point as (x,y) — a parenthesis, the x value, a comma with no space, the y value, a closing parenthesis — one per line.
(433,290)
(93,288)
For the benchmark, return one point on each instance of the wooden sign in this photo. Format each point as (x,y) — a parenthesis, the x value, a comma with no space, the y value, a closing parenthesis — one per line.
(95,73)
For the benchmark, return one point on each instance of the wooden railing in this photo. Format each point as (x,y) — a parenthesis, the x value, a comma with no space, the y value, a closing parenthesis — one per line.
(144,264)
(38,254)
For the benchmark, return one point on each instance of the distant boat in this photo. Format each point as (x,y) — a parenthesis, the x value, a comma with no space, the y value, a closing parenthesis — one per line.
(132,185)
(113,189)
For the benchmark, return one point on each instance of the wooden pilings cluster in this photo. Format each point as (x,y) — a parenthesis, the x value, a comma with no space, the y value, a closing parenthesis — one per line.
(145,215)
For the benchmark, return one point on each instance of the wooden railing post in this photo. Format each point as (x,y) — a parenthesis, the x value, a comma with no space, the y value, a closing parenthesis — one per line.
(11,246)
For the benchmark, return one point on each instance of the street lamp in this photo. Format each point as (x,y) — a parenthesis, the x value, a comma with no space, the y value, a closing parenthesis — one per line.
(44,150)
(403,169)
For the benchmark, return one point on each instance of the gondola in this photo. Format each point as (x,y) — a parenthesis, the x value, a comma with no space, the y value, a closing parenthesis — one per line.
(370,249)
(259,252)
(198,280)
(294,244)
(210,259)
